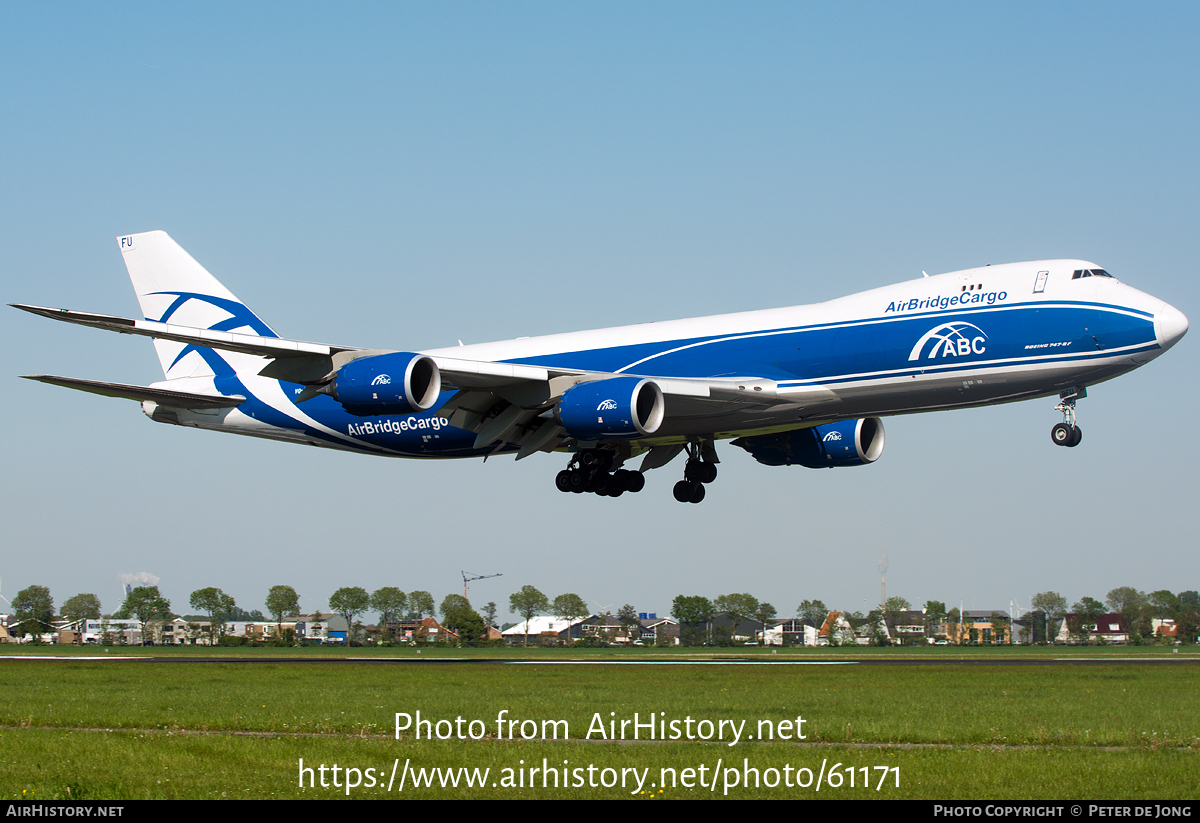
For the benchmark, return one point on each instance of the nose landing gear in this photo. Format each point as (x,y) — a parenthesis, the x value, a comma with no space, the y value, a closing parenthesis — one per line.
(1068,433)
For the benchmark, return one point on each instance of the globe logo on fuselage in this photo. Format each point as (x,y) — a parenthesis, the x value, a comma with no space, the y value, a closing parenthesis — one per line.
(382,380)
(955,339)
(607,405)
(831,437)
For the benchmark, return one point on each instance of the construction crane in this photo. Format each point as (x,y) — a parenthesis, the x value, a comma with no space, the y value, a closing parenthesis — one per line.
(468,577)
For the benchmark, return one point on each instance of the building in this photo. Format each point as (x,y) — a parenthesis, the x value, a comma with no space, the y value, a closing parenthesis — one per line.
(1108,628)
(547,630)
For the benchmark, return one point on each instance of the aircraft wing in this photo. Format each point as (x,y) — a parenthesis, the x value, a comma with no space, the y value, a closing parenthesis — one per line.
(501,402)
(457,373)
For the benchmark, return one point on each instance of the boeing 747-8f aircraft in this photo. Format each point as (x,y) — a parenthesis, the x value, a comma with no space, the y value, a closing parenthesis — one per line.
(805,385)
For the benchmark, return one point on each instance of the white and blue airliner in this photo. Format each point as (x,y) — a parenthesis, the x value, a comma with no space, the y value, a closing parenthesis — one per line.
(805,385)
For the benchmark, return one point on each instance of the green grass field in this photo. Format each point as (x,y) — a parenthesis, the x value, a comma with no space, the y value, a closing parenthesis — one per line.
(114,729)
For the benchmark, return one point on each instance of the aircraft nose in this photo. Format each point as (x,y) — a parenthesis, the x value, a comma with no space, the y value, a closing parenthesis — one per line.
(1169,325)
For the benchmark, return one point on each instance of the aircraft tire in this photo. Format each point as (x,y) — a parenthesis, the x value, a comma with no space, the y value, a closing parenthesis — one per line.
(697,493)
(562,480)
(1061,434)
(1076,436)
(635,482)
(708,472)
(578,481)
(682,491)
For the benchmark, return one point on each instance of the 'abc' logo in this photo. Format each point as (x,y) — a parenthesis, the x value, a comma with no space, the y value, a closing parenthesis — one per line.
(956,339)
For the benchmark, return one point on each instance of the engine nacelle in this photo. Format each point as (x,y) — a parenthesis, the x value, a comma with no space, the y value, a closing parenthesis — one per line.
(848,443)
(396,383)
(615,408)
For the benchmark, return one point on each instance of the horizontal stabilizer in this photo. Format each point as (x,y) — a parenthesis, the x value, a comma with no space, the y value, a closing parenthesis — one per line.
(164,397)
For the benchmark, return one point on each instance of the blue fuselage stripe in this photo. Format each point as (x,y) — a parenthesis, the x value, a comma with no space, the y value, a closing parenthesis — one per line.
(1001,338)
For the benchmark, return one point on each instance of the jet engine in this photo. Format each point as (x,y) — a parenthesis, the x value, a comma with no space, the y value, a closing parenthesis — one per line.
(615,408)
(396,383)
(848,443)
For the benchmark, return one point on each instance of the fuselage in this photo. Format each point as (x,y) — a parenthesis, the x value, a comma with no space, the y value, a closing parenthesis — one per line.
(968,338)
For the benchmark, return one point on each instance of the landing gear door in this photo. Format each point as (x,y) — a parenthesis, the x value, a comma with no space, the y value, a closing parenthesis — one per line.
(1039,285)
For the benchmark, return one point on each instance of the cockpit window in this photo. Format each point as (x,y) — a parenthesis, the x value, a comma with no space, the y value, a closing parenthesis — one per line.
(1100,273)
(1078,273)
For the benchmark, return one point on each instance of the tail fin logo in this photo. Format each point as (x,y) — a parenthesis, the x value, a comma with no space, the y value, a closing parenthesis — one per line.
(953,339)
(127,243)
(240,317)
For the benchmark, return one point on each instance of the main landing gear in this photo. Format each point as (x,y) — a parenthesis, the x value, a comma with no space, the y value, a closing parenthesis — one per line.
(588,471)
(1068,433)
(697,473)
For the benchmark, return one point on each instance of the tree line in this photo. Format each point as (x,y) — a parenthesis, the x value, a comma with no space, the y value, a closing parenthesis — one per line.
(34,612)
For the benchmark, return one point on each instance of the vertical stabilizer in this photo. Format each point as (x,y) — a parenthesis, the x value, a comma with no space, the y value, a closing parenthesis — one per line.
(173,288)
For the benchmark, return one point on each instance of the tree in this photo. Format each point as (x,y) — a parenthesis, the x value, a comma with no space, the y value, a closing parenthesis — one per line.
(528,602)
(627,616)
(1187,626)
(1001,625)
(390,602)
(737,607)
(1132,605)
(454,601)
(420,604)
(1054,606)
(571,608)
(1125,601)
(236,612)
(145,603)
(216,604)
(82,607)
(489,614)
(460,618)
(34,610)
(1163,604)
(955,618)
(935,616)
(694,614)
(892,612)
(1087,612)
(877,630)
(813,612)
(762,614)
(350,602)
(282,600)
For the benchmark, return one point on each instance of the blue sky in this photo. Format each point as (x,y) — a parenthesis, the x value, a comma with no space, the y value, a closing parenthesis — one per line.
(407,175)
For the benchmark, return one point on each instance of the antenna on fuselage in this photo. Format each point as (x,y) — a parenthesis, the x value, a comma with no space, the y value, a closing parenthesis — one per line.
(924,272)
